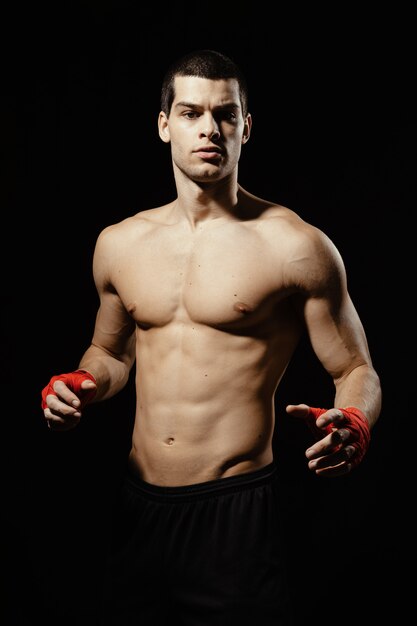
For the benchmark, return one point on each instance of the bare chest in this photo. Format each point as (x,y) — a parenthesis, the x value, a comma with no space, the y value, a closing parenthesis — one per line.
(213,280)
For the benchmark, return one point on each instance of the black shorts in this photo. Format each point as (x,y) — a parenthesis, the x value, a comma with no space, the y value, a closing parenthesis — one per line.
(207,554)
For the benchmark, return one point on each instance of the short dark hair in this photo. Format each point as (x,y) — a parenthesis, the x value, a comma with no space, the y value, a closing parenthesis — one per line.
(204,64)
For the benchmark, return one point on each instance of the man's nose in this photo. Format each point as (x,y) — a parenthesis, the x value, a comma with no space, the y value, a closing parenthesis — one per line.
(210,128)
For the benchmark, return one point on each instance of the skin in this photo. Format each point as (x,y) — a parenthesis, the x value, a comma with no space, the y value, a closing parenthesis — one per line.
(209,296)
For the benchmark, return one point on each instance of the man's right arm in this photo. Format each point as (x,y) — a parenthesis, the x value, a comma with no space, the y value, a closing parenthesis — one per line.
(104,367)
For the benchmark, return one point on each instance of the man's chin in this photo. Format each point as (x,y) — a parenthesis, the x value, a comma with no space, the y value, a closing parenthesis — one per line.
(208,174)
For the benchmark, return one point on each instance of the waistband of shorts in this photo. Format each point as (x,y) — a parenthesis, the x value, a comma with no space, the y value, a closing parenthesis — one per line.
(219,486)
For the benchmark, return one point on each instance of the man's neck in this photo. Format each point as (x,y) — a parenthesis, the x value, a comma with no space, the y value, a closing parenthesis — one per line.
(203,202)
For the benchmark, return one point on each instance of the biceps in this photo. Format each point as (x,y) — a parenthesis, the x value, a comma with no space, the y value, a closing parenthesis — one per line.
(114,329)
(336,334)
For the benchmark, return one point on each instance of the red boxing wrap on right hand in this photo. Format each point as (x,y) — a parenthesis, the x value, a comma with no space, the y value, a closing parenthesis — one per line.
(73,381)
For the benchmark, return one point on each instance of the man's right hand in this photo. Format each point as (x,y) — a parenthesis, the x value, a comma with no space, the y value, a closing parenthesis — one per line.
(65,396)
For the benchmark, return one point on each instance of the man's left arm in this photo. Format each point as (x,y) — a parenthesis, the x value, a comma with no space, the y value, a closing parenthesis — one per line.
(339,341)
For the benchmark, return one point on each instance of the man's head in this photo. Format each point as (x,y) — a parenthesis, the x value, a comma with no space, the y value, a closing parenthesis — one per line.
(204,115)
(203,64)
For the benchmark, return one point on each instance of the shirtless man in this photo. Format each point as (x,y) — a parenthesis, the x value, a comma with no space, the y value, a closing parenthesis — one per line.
(209,295)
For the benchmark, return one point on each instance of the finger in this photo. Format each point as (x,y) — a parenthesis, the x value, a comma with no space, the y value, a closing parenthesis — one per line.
(53,415)
(342,455)
(298,410)
(332,416)
(329,444)
(65,394)
(338,470)
(57,407)
(341,435)
(88,384)
(58,422)
(320,448)
(311,417)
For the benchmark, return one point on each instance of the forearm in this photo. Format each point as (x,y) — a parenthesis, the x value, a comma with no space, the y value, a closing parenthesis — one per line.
(111,373)
(360,388)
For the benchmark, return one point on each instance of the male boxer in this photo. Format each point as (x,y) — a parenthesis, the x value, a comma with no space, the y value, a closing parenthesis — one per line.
(209,296)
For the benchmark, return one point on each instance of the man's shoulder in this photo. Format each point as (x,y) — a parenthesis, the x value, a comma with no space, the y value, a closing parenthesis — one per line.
(262,209)
(280,220)
(301,243)
(135,224)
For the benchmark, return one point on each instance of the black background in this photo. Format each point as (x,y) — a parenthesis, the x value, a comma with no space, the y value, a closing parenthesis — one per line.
(333,138)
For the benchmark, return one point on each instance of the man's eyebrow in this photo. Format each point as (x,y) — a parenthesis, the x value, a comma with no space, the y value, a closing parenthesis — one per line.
(193,105)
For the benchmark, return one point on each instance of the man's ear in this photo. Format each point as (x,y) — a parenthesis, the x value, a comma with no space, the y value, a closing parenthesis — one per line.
(163,127)
(247,128)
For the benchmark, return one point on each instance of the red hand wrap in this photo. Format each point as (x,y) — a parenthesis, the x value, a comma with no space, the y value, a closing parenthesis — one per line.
(360,434)
(73,381)
(357,424)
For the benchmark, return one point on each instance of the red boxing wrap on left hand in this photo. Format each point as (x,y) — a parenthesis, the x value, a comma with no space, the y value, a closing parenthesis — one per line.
(356,423)
(360,433)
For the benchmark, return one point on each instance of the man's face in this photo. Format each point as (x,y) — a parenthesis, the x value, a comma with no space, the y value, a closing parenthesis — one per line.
(205,127)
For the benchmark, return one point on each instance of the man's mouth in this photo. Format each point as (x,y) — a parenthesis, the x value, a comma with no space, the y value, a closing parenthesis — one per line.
(208,152)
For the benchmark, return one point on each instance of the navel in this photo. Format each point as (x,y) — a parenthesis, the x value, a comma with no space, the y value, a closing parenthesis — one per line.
(169,441)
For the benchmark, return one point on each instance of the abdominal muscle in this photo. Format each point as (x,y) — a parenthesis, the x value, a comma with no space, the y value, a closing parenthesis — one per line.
(205,405)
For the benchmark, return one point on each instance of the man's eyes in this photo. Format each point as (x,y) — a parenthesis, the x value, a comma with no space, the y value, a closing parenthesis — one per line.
(220,116)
